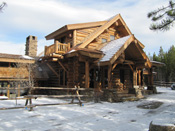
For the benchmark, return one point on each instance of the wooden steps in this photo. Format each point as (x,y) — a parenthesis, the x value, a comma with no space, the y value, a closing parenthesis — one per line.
(53,78)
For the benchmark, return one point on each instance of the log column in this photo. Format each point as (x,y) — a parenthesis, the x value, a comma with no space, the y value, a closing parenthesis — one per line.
(56,46)
(86,74)
(135,77)
(109,76)
(150,77)
(139,77)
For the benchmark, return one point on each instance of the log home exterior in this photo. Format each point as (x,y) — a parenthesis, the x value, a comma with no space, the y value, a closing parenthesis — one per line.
(104,52)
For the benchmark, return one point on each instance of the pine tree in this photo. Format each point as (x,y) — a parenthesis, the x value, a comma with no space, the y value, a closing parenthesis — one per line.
(161,54)
(171,63)
(155,58)
(165,17)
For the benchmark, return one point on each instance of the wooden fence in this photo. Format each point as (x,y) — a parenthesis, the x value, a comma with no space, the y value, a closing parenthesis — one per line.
(29,97)
(163,83)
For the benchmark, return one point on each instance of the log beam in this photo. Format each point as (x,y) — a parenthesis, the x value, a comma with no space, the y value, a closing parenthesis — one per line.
(62,66)
(74,37)
(50,67)
(131,68)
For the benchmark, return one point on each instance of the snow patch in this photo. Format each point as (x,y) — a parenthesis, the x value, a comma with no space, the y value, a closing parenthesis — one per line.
(92,116)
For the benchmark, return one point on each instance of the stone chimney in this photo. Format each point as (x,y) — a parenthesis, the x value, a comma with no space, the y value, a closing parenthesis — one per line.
(31,46)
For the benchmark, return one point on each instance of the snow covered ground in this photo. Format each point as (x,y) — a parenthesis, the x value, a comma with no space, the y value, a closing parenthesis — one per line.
(104,116)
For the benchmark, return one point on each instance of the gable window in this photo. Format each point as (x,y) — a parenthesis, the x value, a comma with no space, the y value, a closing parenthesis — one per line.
(112,37)
(104,40)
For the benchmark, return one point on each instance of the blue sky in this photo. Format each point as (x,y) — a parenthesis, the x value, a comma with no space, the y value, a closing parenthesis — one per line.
(22,18)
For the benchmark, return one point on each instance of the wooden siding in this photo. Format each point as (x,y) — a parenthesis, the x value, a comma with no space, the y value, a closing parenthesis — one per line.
(81,34)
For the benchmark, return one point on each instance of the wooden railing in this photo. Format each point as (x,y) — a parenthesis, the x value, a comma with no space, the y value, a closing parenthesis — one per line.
(58,48)
(49,50)
(9,72)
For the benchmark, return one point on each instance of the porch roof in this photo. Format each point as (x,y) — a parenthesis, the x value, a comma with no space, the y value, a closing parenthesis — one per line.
(157,63)
(113,47)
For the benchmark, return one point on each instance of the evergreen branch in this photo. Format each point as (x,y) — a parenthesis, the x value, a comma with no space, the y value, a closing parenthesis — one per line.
(155,18)
(167,14)
(2,5)
(171,13)
(171,4)
(164,25)
(154,13)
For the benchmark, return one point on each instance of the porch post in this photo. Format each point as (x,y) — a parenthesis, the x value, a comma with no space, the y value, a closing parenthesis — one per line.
(109,76)
(8,91)
(86,74)
(150,77)
(139,75)
(56,46)
(135,77)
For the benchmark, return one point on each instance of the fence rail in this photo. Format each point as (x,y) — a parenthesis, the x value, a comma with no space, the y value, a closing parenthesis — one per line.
(163,83)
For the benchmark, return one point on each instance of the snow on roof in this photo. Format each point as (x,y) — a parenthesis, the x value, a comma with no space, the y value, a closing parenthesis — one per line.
(112,47)
(26,57)
(14,56)
(157,62)
(71,51)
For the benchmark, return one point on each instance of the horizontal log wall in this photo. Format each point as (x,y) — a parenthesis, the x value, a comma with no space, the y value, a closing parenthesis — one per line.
(73,72)
(128,82)
(82,74)
(116,78)
(81,34)
(10,72)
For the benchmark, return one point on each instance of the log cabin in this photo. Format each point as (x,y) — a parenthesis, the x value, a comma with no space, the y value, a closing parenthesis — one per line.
(17,72)
(14,72)
(103,53)
(103,56)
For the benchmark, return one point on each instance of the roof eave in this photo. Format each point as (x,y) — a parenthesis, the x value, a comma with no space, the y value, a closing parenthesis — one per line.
(57,32)
(73,27)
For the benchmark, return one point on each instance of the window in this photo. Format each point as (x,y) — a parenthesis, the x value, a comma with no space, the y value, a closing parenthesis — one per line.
(104,40)
(112,37)
(62,39)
